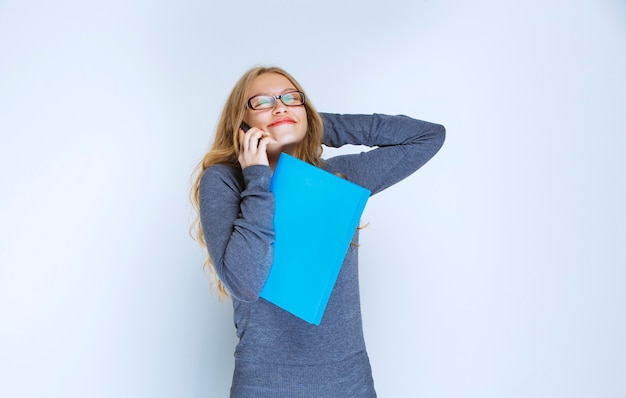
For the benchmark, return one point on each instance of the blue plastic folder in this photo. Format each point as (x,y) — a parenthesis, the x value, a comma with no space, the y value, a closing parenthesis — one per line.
(315,218)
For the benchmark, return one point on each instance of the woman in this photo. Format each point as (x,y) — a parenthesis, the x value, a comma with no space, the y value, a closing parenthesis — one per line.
(278,354)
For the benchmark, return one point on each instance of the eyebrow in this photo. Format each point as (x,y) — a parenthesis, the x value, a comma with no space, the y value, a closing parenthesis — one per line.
(287,90)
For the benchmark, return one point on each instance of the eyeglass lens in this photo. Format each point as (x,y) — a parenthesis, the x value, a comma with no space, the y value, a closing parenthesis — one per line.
(294,98)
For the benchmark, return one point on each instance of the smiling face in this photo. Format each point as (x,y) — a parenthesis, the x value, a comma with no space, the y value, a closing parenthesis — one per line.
(286,124)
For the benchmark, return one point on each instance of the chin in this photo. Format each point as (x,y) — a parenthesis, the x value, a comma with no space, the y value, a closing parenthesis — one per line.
(289,139)
(287,147)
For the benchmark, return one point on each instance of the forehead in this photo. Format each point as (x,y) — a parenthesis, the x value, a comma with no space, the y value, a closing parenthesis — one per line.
(269,83)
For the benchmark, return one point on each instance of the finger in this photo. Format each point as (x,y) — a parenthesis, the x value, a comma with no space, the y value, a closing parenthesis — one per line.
(252,139)
(241,137)
(264,142)
(265,136)
(245,141)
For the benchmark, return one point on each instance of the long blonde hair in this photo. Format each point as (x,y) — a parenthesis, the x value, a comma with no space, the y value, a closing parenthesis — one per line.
(225,148)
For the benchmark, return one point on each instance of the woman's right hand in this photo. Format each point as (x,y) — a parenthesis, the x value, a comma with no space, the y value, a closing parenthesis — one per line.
(253,147)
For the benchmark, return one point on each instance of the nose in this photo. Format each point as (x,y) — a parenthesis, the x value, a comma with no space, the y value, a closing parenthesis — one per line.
(279,106)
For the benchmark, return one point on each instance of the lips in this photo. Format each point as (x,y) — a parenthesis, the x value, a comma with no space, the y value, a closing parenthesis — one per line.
(281,121)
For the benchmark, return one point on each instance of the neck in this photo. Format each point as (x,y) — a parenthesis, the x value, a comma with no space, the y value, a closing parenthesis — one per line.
(274,153)
(273,160)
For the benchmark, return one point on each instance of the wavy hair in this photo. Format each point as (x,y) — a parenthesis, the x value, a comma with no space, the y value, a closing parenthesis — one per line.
(225,149)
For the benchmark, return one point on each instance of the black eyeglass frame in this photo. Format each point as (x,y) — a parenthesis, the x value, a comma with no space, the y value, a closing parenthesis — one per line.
(274,98)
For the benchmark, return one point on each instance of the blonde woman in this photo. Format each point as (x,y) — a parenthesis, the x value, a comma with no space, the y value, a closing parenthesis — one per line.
(278,354)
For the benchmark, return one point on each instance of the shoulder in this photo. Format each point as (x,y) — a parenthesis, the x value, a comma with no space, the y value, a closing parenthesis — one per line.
(221,177)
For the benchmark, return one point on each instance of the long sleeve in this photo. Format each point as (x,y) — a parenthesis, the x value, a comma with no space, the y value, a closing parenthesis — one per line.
(237,216)
(403,146)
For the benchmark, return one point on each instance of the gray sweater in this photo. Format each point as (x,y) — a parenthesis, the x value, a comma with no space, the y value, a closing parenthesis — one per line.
(278,354)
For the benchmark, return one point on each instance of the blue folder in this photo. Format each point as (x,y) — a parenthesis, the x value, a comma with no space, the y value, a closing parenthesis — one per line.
(315,218)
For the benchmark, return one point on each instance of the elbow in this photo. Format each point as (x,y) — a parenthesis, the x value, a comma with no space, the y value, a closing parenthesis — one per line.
(245,286)
(246,295)
(439,134)
(244,291)
(433,139)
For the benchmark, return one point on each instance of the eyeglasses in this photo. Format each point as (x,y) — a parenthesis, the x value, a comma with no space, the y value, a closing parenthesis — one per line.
(292,98)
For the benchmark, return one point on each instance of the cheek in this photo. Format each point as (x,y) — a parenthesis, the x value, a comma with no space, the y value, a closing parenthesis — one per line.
(303,122)
(254,119)
(304,128)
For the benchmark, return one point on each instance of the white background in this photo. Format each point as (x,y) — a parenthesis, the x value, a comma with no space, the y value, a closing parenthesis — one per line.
(497,270)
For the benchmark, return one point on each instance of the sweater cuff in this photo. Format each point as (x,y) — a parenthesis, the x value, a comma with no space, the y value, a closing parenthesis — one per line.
(257,176)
